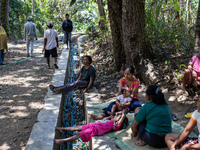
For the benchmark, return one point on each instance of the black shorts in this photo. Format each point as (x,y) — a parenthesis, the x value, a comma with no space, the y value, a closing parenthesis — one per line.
(151,139)
(52,52)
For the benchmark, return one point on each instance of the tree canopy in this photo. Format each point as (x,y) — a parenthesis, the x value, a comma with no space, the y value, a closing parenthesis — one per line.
(169,24)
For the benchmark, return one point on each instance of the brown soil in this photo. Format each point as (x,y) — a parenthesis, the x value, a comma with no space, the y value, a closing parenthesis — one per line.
(23,87)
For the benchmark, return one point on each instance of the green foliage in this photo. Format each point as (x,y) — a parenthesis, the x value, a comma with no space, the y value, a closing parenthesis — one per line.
(167,28)
(18,12)
(183,65)
(179,76)
(72,2)
(84,15)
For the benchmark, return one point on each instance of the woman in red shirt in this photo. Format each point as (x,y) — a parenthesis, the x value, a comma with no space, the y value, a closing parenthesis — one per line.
(133,84)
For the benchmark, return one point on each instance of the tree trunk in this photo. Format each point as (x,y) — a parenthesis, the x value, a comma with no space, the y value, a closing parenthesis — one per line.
(0,11)
(187,11)
(115,16)
(197,32)
(102,15)
(33,6)
(6,15)
(137,49)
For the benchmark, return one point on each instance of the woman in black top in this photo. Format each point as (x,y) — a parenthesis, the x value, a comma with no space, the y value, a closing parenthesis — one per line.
(85,79)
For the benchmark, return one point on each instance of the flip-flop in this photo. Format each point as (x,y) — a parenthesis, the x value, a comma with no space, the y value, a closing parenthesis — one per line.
(185,93)
(174,118)
(54,89)
(188,115)
(56,66)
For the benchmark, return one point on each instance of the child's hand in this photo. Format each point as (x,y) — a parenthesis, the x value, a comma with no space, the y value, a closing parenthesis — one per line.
(185,146)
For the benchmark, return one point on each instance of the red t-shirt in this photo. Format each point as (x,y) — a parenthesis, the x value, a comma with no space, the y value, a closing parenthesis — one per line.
(135,83)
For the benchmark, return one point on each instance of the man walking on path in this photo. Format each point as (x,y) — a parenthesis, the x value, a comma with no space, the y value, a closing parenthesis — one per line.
(30,33)
(50,44)
(67,27)
(3,44)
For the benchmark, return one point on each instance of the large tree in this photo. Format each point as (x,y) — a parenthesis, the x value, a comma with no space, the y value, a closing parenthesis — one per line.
(133,41)
(6,15)
(137,49)
(197,32)
(0,11)
(33,6)
(115,16)
(102,15)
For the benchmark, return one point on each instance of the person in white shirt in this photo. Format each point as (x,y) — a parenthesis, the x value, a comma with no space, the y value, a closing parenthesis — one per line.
(30,33)
(122,103)
(50,44)
(182,141)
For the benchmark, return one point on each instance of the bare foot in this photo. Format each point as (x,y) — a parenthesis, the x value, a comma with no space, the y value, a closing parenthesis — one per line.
(96,117)
(60,129)
(134,134)
(135,138)
(198,83)
(58,141)
(140,143)
(108,112)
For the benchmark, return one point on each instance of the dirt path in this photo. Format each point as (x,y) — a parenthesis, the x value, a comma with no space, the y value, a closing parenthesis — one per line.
(23,87)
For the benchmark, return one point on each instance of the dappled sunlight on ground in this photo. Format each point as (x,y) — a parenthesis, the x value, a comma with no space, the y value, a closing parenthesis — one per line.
(5,146)
(23,87)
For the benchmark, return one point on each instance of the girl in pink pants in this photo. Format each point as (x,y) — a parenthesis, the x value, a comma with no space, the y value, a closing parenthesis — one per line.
(93,129)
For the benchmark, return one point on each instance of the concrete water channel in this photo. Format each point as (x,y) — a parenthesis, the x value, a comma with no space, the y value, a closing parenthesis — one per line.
(61,109)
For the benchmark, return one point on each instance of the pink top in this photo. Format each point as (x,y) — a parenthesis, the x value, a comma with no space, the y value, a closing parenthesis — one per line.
(134,84)
(196,63)
(105,126)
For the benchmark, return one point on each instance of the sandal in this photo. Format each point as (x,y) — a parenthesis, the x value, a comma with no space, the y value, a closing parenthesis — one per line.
(174,118)
(182,93)
(185,93)
(188,115)
(55,89)
(56,66)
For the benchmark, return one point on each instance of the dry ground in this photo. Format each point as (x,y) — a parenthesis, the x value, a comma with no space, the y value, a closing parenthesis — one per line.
(23,87)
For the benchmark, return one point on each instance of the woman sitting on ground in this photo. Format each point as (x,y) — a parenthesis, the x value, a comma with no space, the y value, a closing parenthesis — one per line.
(93,129)
(85,79)
(152,121)
(132,84)
(182,141)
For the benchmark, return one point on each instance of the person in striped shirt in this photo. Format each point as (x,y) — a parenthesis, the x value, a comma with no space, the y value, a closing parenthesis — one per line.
(182,141)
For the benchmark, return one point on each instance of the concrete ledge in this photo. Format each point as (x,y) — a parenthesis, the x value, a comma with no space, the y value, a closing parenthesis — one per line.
(43,131)
(98,142)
